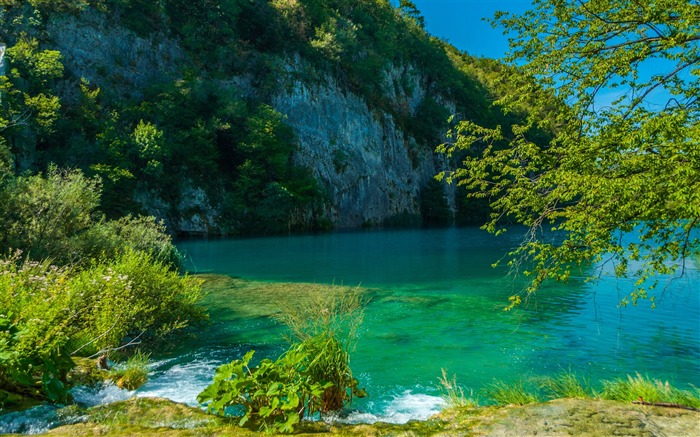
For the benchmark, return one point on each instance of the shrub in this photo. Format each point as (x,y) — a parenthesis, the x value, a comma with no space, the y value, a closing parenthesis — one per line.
(48,314)
(134,297)
(42,215)
(313,376)
(36,323)
(109,238)
(55,216)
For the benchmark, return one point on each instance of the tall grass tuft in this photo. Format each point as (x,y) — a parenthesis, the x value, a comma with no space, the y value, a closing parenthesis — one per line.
(514,393)
(132,374)
(453,394)
(565,385)
(334,310)
(639,387)
(324,324)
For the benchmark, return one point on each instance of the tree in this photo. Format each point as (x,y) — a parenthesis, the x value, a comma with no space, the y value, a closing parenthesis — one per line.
(619,181)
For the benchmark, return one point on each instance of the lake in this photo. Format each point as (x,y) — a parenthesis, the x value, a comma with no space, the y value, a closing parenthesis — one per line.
(436,303)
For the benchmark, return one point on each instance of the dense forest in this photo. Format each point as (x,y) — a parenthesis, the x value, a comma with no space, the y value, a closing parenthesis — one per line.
(178,108)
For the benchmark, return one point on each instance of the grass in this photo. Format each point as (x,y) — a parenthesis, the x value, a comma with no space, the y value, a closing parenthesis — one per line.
(642,388)
(133,374)
(514,393)
(565,385)
(453,394)
(568,385)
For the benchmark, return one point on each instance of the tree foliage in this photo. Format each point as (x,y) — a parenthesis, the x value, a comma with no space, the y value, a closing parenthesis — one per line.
(73,283)
(615,85)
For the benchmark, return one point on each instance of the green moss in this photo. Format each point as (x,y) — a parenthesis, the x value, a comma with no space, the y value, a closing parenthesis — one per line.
(86,372)
(15,402)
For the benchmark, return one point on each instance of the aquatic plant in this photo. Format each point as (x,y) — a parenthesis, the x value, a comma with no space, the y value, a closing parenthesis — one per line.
(312,377)
(325,323)
(274,394)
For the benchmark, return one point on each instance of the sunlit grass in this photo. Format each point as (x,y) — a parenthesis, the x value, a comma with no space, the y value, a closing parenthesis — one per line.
(568,385)
(514,393)
(565,385)
(643,388)
(453,394)
(132,374)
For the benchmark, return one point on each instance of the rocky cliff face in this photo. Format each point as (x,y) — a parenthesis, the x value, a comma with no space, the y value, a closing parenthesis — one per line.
(368,167)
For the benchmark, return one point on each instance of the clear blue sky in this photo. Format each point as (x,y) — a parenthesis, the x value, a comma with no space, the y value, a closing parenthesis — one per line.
(461,22)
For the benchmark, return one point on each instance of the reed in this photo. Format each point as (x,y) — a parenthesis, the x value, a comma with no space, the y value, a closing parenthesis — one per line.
(453,394)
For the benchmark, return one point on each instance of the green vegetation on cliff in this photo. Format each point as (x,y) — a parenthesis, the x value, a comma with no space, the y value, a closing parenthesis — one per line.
(206,121)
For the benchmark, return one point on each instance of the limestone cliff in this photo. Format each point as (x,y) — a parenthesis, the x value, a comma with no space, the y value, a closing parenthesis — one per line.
(360,156)
(363,148)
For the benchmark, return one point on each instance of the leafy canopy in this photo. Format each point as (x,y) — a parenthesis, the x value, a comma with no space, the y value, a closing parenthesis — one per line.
(618,179)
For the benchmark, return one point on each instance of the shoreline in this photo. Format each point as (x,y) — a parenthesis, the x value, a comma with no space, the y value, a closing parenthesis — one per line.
(158,416)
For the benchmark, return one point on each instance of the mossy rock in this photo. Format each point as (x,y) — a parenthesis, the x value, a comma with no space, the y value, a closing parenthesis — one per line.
(87,372)
(162,417)
(15,402)
(589,417)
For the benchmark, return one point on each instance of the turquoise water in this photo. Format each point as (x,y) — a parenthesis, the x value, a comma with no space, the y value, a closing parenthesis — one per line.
(437,303)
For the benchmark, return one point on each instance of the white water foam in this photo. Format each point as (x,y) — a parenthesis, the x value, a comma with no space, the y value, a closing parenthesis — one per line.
(35,420)
(181,382)
(402,408)
(103,394)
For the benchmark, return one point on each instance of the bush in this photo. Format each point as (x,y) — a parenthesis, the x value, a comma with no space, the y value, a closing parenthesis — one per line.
(55,217)
(42,216)
(36,323)
(134,297)
(313,376)
(48,314)
(109,238)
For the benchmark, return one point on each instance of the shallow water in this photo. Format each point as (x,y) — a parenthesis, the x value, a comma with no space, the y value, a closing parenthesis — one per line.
(437,303)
